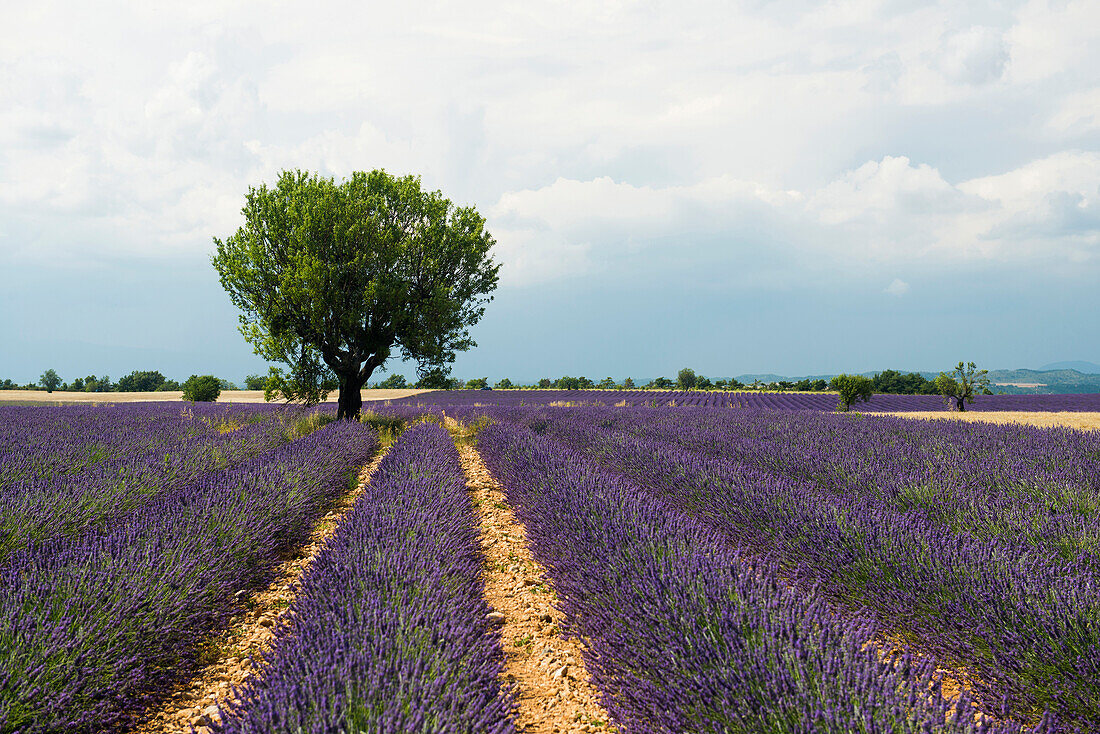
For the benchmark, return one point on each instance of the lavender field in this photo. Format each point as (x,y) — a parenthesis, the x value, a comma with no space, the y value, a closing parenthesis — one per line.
(728,568)
(1089,402)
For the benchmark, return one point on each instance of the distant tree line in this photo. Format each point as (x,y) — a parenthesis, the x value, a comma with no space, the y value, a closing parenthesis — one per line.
(136,381)
(887,381)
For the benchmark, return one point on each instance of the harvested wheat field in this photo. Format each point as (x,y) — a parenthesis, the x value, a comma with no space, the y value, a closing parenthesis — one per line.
(227,396)
(1065,419)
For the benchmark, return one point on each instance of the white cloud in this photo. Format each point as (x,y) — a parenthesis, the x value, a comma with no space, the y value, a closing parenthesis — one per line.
(974,56)
(897,288)
(882,213)
(1077,113)
(587,132)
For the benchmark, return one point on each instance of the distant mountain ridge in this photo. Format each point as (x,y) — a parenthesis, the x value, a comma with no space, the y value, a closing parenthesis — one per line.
(1087,368)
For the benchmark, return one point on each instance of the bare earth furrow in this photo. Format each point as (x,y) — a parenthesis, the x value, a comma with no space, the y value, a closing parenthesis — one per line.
(547,670)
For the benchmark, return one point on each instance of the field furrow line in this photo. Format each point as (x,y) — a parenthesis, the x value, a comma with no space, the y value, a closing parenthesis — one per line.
(552,688)
(239,650)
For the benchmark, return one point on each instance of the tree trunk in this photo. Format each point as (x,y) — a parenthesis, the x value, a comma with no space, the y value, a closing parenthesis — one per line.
(351,399)
(960,403)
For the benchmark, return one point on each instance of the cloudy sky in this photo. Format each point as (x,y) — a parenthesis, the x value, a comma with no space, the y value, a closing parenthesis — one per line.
(790,187)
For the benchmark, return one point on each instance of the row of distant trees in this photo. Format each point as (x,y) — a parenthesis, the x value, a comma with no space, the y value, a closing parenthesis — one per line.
(136,381)
(887,381)
(961,385)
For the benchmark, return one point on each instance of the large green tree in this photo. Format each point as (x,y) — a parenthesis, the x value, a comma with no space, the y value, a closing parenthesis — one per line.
(334,278)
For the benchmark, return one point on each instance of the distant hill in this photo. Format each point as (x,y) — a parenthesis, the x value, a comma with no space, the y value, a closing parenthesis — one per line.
(1045,381)
(1087,368)
(1016,382)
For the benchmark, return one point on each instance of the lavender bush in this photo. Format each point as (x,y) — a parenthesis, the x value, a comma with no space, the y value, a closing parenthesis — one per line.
(388,632)
(685,633)
(877,513)
(94,626)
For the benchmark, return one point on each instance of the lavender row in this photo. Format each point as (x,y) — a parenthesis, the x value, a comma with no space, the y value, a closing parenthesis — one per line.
(822,402)
(139,453)
(40,443)
(1023,485)
(388,631)
(684,632)
(1025,622)
(93,628)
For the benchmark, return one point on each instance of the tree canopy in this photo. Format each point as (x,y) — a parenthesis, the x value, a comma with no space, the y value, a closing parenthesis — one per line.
(852,388)
(50,380)
(962,384)
(333,278)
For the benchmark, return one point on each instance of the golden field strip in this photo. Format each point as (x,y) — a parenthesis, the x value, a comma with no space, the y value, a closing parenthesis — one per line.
(1066,419)
(227,396)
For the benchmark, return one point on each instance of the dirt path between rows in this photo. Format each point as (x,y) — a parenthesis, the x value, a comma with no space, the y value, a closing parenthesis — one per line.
(232,657)
(552,688)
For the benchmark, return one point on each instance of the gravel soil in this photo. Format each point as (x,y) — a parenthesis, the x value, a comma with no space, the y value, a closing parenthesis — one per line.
(551,683)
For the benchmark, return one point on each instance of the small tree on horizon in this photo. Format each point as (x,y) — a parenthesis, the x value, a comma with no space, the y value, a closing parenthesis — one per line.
(851,388)
(394,382)
(686,379)
(50,380)
(964,382)
(202,388)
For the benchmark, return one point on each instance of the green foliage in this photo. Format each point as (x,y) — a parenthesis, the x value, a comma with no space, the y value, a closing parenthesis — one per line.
(703,383)
(585,384)
(333,278)
(894,382)
(436,378)
(962,384)
(141,381)
(607,384)
(545,383)
(852,388)
(202,388)
(97,384)
(504,384)
(808,385)
(255,382)
(686,379)
(567,383)
(661,383)
(628,384)
(477,383)
(308,388)
(50,380)
(394,382)
(77,385)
